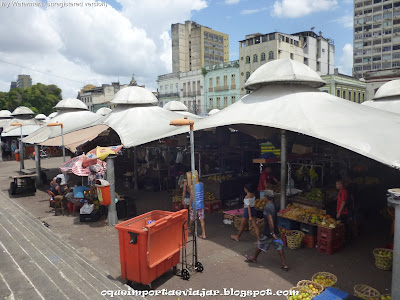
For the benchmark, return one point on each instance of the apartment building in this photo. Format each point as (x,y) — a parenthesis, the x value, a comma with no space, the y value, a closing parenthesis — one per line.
(195,46)
(376,36)
(307,47)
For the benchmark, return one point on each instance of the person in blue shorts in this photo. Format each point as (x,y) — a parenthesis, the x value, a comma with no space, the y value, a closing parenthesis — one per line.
(249,212)
(270,235)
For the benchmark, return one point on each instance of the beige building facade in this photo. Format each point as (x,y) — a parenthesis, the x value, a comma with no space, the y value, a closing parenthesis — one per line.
(195,46)
(306,47)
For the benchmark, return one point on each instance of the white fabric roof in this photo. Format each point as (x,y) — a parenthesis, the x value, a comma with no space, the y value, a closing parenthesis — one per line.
(392,106)
(305,110)
(5,114)
(284,71)
(134,95)
(22,110)
(213,111)
(71,120)
(137,125)
(175,106)
(103,111)
(24,120)
(52,115)
(189,115)
(40,117)
(16,131)
(70,103)
(389,89)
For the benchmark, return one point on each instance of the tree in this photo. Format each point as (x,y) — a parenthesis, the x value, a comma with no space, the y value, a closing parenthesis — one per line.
(40,98)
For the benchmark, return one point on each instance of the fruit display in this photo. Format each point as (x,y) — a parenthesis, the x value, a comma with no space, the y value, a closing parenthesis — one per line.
(220,178)
(276,188)
(367,181)
(301,172)
(324,279)
(208,197)
(383,258)
(304,293)
(313,175)
(315,195)
(311,215)
(329,222)
(259,204)
(385,297)
(176,198)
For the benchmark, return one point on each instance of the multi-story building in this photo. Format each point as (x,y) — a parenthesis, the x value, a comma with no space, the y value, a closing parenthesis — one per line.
(344,86)
(375,79)
(195,47)
(307,47)
(221,85)
(186,87)
(376,36)
(98,97)
(23,82)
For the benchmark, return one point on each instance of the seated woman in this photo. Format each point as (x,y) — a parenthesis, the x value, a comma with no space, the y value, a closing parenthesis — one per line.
(56,187)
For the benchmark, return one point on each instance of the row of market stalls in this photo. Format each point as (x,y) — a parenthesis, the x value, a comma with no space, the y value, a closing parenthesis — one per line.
(284,107)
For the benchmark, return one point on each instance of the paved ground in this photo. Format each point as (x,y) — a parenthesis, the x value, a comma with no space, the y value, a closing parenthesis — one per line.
(223,260)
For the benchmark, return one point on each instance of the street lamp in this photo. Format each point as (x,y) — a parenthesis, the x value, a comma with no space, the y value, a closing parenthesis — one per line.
(186,122)
(62,135)
(21,148)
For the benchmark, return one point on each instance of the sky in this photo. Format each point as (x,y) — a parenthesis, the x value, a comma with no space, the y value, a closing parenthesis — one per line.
(106,41)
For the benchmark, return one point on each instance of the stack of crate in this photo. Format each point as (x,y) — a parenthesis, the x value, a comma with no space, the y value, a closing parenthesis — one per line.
(330,240)
(310,237)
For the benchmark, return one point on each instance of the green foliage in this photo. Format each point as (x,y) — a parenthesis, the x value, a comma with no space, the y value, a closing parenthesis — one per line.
(204,71)
(39,98)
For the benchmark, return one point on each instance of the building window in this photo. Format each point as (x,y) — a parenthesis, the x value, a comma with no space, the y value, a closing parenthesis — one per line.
(161,89)
(210,83)
(255,58)
(171,88)
(211,103)
(217,83)
(359,97)
(225,101)
(233,99)
(225,80)
(344,94)
(218,102)
(363,97)
(247,75)
(354,96)
(271,55)
(338,93)
(198,88)
(262,56)
(247,59)
(166,89)
(318,66)
(233,80)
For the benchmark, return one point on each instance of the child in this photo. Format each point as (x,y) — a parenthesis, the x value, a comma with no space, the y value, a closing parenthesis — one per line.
(249,212)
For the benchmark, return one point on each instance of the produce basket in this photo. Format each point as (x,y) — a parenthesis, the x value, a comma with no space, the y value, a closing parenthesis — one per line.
(366,292)
(314,287)
(294,239)
(325,279)
(385,297)
(383,258)
(302,290)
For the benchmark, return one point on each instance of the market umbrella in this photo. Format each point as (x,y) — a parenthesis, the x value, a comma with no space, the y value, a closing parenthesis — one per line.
(102,152)
(387,97)
(83,166)
(72,113)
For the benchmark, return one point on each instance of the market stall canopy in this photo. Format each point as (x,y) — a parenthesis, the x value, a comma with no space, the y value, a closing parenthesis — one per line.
(41,117)
(16,131)
(52,115)
(387,97)
(137,120)
(180,108)
(103,111)
(72,113)
(24,116)
(213,111)
(291,101)
(5,116)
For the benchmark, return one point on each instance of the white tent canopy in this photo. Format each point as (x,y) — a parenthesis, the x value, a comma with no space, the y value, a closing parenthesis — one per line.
(70,103)
(293,103)
(24,116)
(181,109)
(213,111)
(16,131)
(387,97)
(4,114)
(41,117)
(52,115)
(103,111)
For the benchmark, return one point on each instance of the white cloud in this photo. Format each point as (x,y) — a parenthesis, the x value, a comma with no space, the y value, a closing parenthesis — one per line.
(232,1)
(346,60)
(297,9)
(91,45)
(252,11)
(346,21)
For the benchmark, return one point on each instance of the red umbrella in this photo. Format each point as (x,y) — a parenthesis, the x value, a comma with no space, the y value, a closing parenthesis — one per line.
(82,166)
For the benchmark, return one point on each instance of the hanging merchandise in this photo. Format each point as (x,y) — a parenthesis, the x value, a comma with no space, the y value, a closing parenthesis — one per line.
(179,158)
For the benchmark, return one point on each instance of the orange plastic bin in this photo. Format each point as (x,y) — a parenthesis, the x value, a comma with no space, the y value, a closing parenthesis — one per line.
(149,250)
(103,192)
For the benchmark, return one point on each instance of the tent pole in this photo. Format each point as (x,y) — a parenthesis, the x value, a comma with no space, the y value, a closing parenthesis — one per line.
(283,168)
(135,179)
(21,153)
(112,218)
(396,249)
(193,167)
(37,161)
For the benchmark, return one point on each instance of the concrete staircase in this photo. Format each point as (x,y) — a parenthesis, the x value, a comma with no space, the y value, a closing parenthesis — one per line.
(36,264)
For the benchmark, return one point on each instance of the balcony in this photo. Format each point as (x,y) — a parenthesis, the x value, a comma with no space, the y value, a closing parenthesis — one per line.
(192,94)
(168,95)
(221,88)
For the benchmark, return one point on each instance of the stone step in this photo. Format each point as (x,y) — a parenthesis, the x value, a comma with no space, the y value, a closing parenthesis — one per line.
(59,254)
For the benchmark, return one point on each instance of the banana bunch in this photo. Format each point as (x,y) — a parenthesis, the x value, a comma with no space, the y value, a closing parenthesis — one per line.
(208,197)
(313,175)
(300,173)
(176,198)
(220,178)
